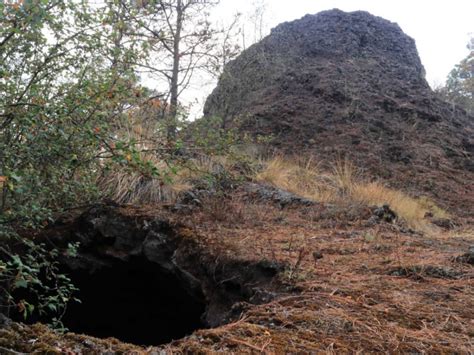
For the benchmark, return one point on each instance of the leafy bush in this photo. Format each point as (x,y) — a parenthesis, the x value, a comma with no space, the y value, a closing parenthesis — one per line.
(60,99)
(31,280)
(64,86)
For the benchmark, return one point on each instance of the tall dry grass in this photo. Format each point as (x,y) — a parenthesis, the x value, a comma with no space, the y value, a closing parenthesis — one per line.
(304,179)
(128,185)
(125,185)
(406,207)
(343,183)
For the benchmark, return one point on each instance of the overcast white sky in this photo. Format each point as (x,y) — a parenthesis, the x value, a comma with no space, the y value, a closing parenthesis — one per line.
(440,27)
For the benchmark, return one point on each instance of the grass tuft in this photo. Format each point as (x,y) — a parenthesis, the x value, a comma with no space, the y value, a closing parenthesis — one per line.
(344,184)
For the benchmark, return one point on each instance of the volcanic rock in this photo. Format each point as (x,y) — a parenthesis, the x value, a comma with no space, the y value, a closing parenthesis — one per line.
(339,84)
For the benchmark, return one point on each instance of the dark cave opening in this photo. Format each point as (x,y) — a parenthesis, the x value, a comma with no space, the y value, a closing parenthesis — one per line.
(136,301)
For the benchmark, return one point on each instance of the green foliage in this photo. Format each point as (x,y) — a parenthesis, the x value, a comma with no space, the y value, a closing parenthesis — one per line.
(459,87)
(68,85)
(221,155)
(62,93)
(212,138)
(65,84)
(33,276)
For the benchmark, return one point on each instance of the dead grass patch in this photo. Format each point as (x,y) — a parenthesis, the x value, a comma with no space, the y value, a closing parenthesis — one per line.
(305,180)
(135,188)
(125,185)
(406,207)
(345,184)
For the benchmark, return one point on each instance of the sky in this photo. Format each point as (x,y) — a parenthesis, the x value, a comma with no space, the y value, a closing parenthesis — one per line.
(441,28)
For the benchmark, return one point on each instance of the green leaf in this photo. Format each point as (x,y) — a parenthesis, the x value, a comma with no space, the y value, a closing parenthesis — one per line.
(21,283)
(15,177)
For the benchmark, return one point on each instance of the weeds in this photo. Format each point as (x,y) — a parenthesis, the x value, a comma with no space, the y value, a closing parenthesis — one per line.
(32,282)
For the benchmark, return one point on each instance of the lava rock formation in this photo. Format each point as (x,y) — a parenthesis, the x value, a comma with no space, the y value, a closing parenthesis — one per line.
(339,84)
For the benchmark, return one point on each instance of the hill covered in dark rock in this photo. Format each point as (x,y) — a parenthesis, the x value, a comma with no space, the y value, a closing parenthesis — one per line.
(339,84)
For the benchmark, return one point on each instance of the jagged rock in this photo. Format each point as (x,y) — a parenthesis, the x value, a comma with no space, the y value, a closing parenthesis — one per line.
(4,320)
(384,213)
(276,195)
(467,258)
(444,223)
(190,198)
(420,271)
(351,84)
(317,255)
(381,214)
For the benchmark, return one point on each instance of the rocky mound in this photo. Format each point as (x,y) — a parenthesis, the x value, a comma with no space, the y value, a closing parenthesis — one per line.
(340,84)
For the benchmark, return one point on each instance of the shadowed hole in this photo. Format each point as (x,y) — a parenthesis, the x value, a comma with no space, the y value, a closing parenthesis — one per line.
(135,301)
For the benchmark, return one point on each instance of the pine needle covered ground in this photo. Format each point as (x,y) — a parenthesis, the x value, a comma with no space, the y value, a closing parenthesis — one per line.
(348,286)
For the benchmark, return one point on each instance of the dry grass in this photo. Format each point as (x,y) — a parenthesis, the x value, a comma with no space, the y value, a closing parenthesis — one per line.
(128,185)
(341,183)
(344,183)
(408,208)
(131,186)
(302,179)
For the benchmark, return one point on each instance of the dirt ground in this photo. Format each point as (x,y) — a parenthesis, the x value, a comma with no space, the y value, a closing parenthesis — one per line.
(348,287)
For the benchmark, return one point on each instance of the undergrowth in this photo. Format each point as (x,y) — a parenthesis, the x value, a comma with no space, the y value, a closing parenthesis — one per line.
(211,158)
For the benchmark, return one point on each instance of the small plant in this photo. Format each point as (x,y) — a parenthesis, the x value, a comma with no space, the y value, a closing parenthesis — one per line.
(32,283)
(345,176)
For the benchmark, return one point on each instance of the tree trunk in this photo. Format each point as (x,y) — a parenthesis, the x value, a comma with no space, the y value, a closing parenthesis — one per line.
(175,75)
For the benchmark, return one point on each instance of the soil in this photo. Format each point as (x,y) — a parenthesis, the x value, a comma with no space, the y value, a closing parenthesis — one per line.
(335,85)
(268,279)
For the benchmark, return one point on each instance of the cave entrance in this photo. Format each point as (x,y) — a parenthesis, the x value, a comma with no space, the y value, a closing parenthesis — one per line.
(135,301)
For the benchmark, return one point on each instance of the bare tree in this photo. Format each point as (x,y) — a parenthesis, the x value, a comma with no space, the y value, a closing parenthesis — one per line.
(179,39)
(257,24)
(226,46)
